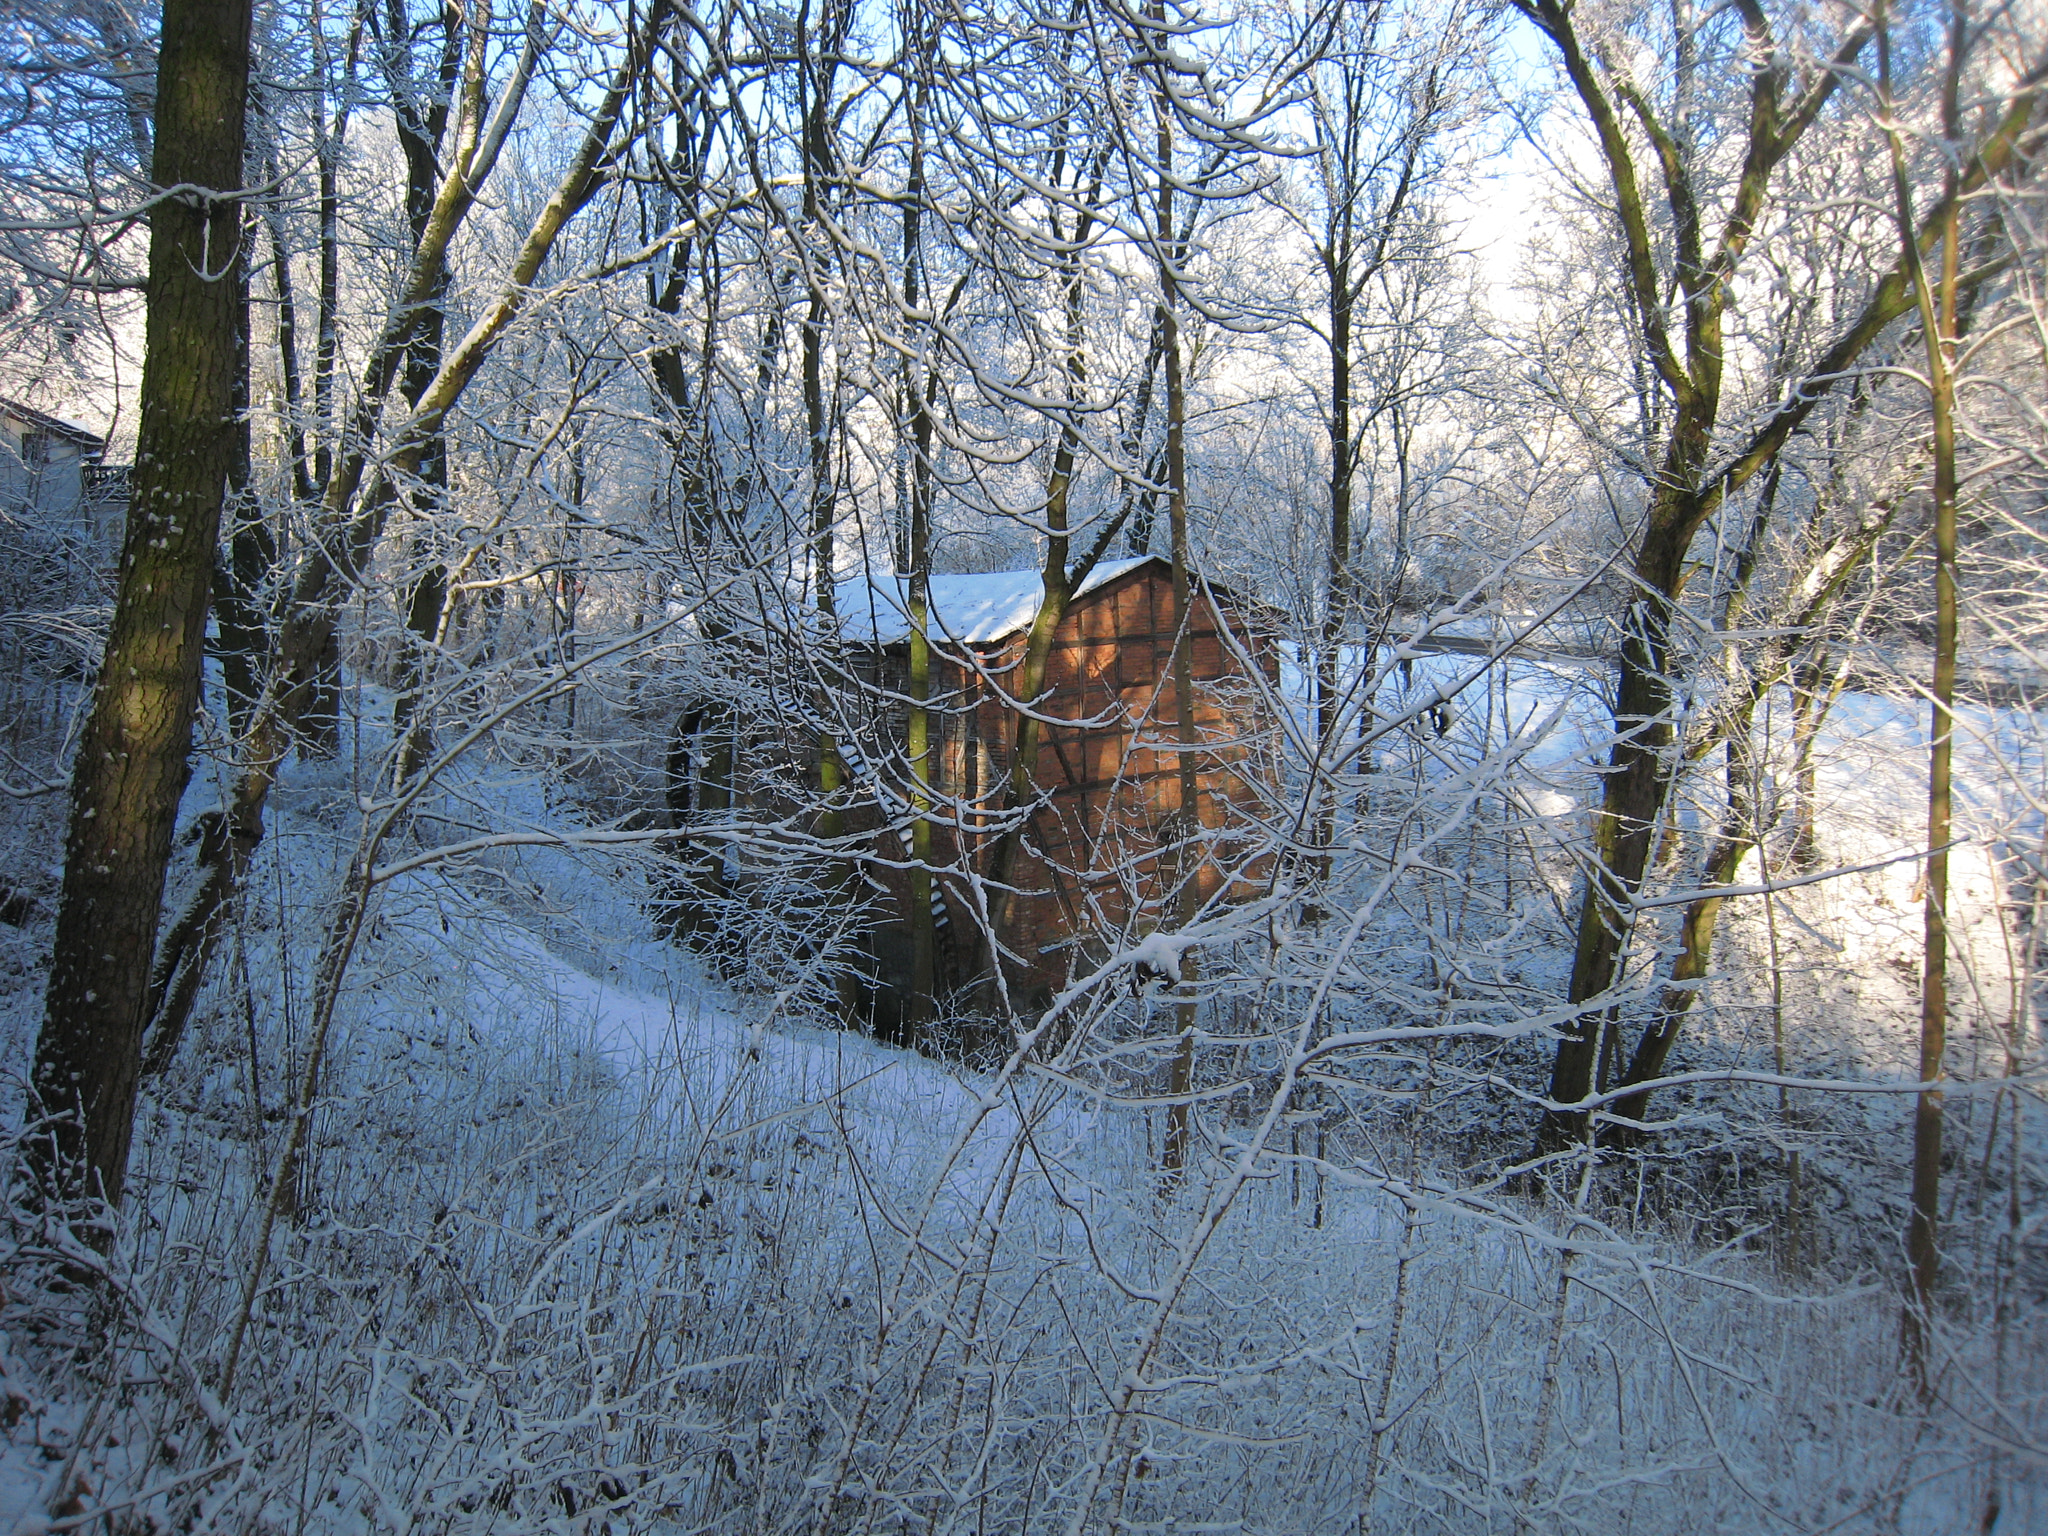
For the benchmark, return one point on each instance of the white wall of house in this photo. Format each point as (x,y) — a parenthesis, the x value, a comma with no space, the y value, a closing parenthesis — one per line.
(46,485)
(41,472)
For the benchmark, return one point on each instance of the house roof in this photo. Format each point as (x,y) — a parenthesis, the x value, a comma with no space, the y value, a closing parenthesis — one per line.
(56,426)
(968,610)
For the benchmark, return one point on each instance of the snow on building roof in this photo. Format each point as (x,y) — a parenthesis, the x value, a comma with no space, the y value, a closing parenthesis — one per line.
(969,610)
(43,421)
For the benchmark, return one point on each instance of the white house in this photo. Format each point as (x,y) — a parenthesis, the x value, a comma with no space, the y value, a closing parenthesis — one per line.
(53,475)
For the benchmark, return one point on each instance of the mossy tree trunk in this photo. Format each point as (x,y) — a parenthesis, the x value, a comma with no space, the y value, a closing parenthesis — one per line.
(1813,598)
(1060,576)
(1936,299)
(352,513)
(1679,298)
(131,765)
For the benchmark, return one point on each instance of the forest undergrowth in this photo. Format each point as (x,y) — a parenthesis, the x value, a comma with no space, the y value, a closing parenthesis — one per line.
(586,1239)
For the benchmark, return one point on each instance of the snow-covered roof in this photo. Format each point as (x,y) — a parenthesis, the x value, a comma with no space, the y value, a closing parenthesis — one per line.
(43,421)
(971,610)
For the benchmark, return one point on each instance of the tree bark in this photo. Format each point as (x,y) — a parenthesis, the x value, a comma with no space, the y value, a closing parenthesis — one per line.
(250,546)
(318,722)
(131,766)
(1186,826)
(1337,595)
(1690,485)
(919,1007)
(1693,478)
(1637,781)
(1351,257)
(819,66)
(422,122)
(1812,598)
(1937,306)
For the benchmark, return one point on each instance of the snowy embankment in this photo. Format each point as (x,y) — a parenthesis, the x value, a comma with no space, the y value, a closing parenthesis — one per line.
(586,1242)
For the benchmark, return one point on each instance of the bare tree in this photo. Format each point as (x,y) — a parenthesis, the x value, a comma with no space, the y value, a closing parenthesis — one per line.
(1382,103)
(131,767)
(370,470)
(1678,264)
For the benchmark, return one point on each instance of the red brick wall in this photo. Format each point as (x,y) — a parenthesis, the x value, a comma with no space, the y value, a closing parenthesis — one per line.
(1091,859)
(1093,850)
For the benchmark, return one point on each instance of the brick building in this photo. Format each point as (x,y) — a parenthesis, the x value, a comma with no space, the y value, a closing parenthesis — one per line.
(1091,862)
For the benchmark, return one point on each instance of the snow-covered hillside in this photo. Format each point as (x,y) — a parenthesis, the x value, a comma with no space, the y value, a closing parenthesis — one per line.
(585,1240)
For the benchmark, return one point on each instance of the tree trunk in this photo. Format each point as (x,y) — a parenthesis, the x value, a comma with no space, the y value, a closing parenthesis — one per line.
(1938,329)
(919,1006)
(1696,934)
(251,548)
(698,774)
(1025,686)
(1634,790)
(704,734)
(1694,292)
(1186,826)
(1338,588)
(818,69)
(1815,594)
(317,721)
(420,132)
(1058,579)
(131,765)
(1803,852)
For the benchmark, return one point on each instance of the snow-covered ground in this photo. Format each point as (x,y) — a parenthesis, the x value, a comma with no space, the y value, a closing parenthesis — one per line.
(588,1241)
